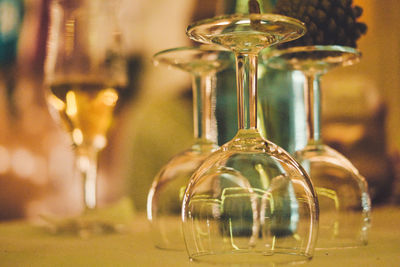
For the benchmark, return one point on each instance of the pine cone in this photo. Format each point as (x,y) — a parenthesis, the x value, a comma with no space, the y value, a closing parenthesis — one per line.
(328,22)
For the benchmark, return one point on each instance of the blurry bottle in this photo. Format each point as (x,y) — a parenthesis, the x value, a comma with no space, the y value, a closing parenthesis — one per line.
(11,15)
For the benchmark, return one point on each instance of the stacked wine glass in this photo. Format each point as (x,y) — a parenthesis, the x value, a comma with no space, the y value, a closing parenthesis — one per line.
(249,201)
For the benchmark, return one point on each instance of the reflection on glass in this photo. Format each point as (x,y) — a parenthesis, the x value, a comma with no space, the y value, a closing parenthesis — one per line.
(250,201)
(342,192)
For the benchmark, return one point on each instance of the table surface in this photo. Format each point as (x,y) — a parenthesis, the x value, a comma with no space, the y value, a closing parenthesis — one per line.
(24,244)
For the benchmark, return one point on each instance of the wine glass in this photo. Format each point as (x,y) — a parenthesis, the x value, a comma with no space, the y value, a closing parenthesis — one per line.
(250,201)
(84,74)
(226,102)
(342,192)
(165,195)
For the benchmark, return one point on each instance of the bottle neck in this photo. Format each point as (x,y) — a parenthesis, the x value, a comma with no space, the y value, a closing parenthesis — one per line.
(205,126)
(246,79)
(312,97)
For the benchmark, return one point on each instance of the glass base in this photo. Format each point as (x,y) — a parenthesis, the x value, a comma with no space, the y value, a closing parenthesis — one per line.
(109,220)
(246,33)
(252,257)
(339,244)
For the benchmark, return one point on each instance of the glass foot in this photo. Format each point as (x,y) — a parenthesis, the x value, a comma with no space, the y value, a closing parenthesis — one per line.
(112,219)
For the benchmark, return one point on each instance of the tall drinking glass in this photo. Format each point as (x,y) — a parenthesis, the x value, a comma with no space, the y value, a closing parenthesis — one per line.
(342,192)
(250,201)
(85,72)
(166,193)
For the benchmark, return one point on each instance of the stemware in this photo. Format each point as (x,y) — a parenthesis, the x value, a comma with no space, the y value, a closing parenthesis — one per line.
(250,201)
(165,195)
(84,72)
(226,102)
(342,192)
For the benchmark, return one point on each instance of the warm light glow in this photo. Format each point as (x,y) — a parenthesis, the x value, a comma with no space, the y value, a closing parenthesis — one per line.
(4,160)
(344,133)
(55,102)
(23,163)
(110,97)
(59,160)
(89,181)
(99,141)
(83,163)
(40,177)
(77,136)
(72,109)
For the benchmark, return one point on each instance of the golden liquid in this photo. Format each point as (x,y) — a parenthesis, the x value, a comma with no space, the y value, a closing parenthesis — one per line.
(86,110)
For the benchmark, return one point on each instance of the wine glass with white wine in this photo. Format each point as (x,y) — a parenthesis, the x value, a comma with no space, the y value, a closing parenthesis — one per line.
(84,74)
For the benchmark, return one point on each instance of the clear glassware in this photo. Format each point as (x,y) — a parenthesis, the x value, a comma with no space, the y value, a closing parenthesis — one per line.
(342,192)
(84,73)
(250,201)
(226,106)
(165,196)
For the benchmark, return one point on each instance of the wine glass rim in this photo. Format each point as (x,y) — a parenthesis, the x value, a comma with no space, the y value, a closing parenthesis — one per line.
(264,16)
(202,47)
(207,48)
(313,48)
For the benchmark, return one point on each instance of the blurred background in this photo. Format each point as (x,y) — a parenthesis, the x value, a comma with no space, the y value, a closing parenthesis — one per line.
(37,175)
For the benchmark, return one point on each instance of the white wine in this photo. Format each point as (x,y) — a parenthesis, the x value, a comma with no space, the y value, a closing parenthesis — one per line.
(85,108)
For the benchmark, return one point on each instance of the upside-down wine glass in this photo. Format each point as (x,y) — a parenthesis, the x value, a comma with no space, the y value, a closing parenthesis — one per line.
(250,201)
(342,192)
(84,72)
(166,193)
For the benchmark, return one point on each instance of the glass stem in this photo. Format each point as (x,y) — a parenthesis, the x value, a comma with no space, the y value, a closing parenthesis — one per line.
(246,79)
(87,165)
(312,97)
(205,128)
